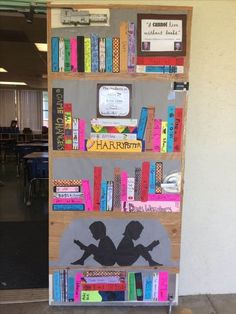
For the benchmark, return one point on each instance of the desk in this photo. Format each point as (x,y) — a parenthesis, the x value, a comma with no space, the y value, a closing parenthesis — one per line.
(35,170)
(6,145)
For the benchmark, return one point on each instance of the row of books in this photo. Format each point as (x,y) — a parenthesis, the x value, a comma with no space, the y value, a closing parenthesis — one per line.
(141,192)
(95,54)
(115,134)
(104,286)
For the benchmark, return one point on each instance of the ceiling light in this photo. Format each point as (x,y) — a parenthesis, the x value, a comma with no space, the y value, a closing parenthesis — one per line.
(3,70)
(41,47)
(12,83)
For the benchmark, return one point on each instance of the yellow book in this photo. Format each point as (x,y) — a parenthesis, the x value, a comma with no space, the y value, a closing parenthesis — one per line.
(163,136)
(123,46)
(87,54)
(122,146)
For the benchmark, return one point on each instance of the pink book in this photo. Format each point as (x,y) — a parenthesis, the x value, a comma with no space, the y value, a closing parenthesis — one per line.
(156,136)
(124,178)
(78,278)
(73,54)
(87,195)
(163,286)
(164,197)
(61,200)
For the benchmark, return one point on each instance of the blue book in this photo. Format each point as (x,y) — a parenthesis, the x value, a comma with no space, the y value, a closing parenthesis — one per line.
(148,288)
(56,287)
(108,54)
(161,69)
(103,199)
(170,128)
(152,178)
(71,287)
(142,123)
(55,54)
(62,207)
(94,52)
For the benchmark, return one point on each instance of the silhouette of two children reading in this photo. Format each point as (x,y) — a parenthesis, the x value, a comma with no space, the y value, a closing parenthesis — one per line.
(126,253)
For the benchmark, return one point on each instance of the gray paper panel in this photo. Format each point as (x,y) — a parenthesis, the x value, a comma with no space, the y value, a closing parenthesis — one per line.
(79,230)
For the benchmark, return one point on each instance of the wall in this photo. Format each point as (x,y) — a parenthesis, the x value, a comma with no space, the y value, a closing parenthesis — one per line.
(208,254)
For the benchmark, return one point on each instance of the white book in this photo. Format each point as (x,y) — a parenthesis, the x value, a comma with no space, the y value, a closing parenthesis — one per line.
(113,136)
(130,189)
(75,133)
(61,54)
(115,122)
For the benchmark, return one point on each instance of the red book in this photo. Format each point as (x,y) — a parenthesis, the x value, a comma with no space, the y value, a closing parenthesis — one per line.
(145,181)
(160,61)
(68,126)
(178,129)
(97,180)
(103,286)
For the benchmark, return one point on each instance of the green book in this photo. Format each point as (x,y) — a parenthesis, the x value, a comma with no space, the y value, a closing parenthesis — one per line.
(131,287)
(67,66)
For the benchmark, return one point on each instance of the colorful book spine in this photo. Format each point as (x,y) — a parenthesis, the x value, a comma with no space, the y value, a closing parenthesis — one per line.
(124,182)
(82,129)
(55,54)
(113,129)
(80,53)
(160,60)
(97,174)
(163,136)
(58,118)
(131,287)
(139,286)
(103,200)
(56,287)
(159,177)
(87,195)
(178,129)
(67,195)
(130,189)
(58,200)
(68,207)
(73,54)
(71,288)
(113,136)
(156,140)
(163,286)
(67,189)
(148,288)
(108,57)
(104,286)
(61,54)
(123,46)
(67,66)
(155,286)
(145,180)
(94,52)
(102,54)
(116,54)
(87,54)
(137,184)
(68,126)
(77,290)
(114,122)
(131,47)
(142,123)
(152,178)
(75,133)
(122,146)
(171,128)
(110,189)
(149,128)
(117,189)
(151,207)
(169,197)
(161,69)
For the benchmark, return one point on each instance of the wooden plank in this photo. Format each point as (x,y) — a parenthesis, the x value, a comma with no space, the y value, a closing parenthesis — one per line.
(23,296)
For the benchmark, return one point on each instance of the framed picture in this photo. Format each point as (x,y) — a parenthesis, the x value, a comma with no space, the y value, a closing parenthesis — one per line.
(161,35)
(114,100)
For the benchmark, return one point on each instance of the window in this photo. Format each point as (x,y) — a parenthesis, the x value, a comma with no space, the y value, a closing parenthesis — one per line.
(45,108)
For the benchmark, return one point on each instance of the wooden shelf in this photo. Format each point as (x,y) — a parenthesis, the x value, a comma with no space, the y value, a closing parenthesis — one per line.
(115,76)
(105,155)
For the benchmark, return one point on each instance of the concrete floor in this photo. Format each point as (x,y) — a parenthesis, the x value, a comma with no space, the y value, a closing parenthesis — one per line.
(203,304)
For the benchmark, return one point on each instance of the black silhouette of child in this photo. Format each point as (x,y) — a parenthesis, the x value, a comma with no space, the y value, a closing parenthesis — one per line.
(104,253)
(127,253)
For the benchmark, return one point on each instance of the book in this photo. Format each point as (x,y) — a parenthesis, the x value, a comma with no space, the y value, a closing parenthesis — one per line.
(102,54)
(124,182)
(103,199)
(97,175)
(156,135)
(170,128)
(114,122)
(130,189)
(117,189)
(159,176)
(58,118)
(123,46)
(152,178)
(108,56)
(87,195)
(161,69)
(80,53)
(55,54)
(94,52)
(73,54)
(110,190)
(137,184)
(149,128)
(68,126)
(142,123)
(163,136)
(139,286)
(115,54)
(67,66)
(75,133)
(82,129)
(131,47)
(61,54)
(145,180)
(131,287)
(113,136)
(178,129)
(148,60)
(56,286)
(87,54)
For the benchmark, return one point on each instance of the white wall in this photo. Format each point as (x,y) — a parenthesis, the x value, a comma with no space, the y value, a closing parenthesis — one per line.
(208,253)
